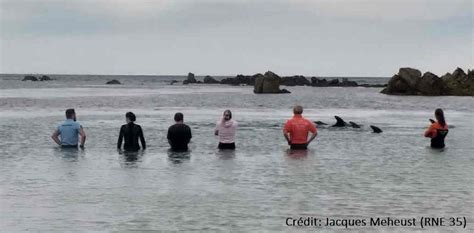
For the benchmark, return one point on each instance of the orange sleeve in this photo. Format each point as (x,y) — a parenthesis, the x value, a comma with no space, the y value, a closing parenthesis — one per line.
(287,127)
(312,127)
(431,131)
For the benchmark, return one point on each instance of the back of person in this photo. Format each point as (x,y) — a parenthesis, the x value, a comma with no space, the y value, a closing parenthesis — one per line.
(68,131)
(437,133)
(179,135)
(131,132)
(298,128)
(226,131)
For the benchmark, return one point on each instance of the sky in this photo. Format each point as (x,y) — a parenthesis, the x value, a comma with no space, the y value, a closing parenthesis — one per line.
(229,37)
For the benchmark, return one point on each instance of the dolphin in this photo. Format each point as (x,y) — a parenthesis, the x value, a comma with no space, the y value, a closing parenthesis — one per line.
(319,123)
(340,122)
(354,125)
(376,129)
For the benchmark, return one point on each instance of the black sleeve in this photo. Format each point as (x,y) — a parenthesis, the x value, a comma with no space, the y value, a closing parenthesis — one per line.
(189,134)
(142,138)
(168,136)
(120,138)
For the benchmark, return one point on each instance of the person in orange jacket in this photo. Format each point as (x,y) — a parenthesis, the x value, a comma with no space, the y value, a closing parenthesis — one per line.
(438,130)
(296,130)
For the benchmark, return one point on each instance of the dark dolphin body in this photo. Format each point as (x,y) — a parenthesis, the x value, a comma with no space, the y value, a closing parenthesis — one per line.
(340,122)
(320,123)
(376,129)
(354,125)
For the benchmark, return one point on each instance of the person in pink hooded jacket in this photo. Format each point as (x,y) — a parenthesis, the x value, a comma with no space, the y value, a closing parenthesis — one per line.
(225,129)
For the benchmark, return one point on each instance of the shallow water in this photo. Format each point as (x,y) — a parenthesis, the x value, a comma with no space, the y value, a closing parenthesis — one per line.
(346,173)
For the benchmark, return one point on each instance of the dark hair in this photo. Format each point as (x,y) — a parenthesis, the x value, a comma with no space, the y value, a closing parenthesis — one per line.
(131,116)
(70,113)
(439,114)
(178,117)
(228,112)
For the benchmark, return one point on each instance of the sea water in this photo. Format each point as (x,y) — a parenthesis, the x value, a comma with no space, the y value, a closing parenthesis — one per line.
(346,173)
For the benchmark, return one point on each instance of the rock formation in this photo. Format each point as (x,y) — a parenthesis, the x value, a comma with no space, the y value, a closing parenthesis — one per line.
(29,78)
(409,81)
(268,83)
(210,80)
(190,79)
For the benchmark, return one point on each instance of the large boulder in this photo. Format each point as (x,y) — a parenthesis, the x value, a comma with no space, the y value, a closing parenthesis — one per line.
(430,84)
(29,78)
(297,80)
(268,83)
(113,82)
(409,75)
(190,79)
(403,83)
(210,80)
(409,81)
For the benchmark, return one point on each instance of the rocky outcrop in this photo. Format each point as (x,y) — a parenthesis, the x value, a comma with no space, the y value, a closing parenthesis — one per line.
(29,78)
(316,82)
(297,80)
(459,83)
(45,78)
(409,81)
(210,80)
(240,80)
(269,83)
(113,82)
(34,78)
(190,79)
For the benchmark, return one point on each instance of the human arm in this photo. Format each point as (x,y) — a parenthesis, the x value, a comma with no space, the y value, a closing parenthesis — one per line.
(120,138)
(82,133)
(142,138)
(189,135)
(55,137)
(286,132)
(431,131)
(314,132)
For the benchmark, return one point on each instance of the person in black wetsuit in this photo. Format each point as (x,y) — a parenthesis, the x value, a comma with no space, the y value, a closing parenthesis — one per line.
(131,132)
(179,134)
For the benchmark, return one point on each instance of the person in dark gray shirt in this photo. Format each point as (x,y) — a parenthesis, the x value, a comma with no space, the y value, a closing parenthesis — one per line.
(130,133)
(179,134)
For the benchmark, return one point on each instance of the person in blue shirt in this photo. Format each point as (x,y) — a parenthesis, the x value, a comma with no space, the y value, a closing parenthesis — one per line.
(68,132)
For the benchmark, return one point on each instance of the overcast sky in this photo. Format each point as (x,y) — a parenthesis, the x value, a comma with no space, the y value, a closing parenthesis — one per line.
(228,37)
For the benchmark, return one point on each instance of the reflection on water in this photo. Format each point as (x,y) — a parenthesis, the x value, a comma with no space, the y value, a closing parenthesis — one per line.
(72,154)
(297,154)
(225,154)
(130,159)
(178,157)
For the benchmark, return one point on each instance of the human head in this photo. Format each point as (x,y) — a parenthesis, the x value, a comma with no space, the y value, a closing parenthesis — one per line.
(439,114)
(130,117)
(178,117)
(297,109)
(70,114)
(227,115)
